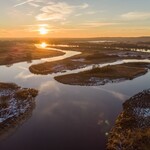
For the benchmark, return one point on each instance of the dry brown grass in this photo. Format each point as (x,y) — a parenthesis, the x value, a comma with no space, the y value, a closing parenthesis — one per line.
(24,52)
(8,86)
(131,130)
(23,94)
(108,72)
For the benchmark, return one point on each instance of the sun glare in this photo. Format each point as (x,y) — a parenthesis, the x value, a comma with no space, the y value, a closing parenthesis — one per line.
(43,31)
(43,45)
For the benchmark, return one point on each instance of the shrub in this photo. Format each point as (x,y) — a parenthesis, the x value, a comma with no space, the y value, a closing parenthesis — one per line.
(97,69)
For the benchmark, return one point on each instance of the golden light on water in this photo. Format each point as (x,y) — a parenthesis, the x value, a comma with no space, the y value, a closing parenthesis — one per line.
(43,45)
(43,31)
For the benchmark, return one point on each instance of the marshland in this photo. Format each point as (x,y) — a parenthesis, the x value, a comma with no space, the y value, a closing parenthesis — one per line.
(69,92)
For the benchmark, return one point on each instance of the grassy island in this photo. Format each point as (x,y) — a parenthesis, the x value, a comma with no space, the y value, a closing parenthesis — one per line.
(101,76)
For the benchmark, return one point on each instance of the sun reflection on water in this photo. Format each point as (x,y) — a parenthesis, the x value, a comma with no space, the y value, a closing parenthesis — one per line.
(43,45)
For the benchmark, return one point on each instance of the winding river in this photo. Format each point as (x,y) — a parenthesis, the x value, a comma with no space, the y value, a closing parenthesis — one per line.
(68,117)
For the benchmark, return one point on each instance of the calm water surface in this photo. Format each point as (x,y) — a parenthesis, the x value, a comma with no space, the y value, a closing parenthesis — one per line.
(67,117)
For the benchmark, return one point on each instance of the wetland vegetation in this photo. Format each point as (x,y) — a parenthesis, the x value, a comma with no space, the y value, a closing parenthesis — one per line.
(132,127)
(13,52)
(102,75)
(16,106)
(95,64)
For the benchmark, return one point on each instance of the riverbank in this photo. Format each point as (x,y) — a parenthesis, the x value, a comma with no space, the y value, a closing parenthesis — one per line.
(16,105)
(132,127)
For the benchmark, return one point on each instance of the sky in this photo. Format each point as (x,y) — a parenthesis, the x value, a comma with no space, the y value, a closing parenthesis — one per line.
(74,18)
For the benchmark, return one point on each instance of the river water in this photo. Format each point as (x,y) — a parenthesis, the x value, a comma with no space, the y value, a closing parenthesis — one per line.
(68,117)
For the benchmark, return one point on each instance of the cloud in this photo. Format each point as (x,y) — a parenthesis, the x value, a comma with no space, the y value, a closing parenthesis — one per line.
(30,2)
(34,5)
(136,16)
(89,13)
(79,14)
(49,86)
(122,97)
(99,24)
(58,11)
(36,27)
(22,3)
(55,11)
(23,75)
(52,10)
(85,5)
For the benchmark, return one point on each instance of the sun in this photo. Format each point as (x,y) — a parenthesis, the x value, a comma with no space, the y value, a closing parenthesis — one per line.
(43,45)
(43,31)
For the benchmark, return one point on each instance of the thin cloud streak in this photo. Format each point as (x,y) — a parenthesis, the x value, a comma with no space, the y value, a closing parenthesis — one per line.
(99,24)
(25,2)
(136,16)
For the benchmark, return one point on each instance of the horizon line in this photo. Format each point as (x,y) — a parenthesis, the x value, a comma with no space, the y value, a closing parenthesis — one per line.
(76,37)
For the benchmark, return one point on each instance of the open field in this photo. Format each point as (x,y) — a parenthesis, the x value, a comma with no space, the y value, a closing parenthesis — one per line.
(13,52)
